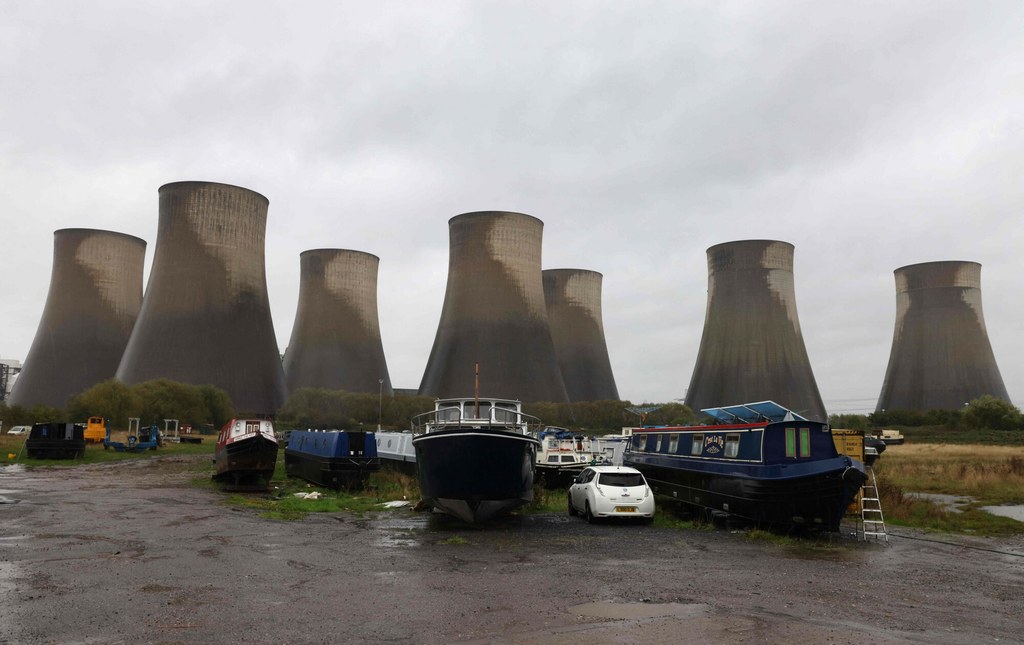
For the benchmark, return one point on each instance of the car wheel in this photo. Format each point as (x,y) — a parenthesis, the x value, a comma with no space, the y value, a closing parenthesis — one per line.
(572,509)
(590,516)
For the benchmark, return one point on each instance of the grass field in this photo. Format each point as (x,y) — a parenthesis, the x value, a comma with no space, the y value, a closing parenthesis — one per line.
(989,474)
(94,452)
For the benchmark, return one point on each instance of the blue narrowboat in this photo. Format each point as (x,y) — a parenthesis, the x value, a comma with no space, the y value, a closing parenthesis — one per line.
(757,461)
(331,458)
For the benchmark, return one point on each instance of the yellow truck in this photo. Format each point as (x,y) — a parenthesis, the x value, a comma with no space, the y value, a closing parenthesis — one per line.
(96,430)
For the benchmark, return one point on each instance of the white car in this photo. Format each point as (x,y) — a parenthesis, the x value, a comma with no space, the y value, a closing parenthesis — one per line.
(611,491)
(19,430)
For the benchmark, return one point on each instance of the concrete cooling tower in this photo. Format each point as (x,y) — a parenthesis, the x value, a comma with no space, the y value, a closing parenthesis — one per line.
(205,318)
(335,342)
(573,298)
(94,298)
(752,348)
(494,313)
(941,357)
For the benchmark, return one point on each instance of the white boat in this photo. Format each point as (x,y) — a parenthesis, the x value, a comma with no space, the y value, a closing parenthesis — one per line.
(563,455)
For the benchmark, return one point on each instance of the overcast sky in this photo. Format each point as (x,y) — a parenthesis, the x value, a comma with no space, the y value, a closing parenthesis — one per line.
(869,135)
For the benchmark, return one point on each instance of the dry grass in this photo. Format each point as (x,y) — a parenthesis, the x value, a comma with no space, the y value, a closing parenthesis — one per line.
(991,474)
(988,474)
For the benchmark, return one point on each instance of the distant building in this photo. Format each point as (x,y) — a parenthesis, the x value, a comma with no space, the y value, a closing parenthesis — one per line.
(494,313)
(9,369)
(573,298)
(93,300)
(752,348)
(205,318)
(335,342)
(941,356)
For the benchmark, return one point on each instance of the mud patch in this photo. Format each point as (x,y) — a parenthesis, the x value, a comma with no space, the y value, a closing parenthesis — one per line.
(639,610)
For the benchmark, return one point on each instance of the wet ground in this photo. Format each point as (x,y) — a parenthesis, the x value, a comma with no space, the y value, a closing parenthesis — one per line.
(129,552)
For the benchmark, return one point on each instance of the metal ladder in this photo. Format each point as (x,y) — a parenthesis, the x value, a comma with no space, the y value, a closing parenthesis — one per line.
(871,520)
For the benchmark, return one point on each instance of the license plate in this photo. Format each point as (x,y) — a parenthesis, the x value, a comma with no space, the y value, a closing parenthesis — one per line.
(625,509)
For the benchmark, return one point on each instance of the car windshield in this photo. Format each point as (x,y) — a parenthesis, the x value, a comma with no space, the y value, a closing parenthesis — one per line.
(621,479)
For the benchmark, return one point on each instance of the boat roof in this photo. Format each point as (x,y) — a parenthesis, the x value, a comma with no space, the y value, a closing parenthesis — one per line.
(753,413)
(455,400)
(560,433)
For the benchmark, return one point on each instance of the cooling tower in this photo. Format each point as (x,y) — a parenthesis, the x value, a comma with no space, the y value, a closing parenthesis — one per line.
(205,318)
(335,342)
(573,298)
(752,348)
(494,313)
(941,357)
(94,297)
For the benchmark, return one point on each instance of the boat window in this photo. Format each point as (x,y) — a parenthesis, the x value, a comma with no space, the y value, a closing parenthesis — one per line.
(791,442)
(504,415)
(732,445)
(673,443)
(657,446)
(639,442)
(698,444)
(805,442)
(568,459)
(553,459)
(449,414)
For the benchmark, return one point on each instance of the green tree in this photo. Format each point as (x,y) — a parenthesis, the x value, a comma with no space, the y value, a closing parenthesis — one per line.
(991,413)
(111,399)
(219,408)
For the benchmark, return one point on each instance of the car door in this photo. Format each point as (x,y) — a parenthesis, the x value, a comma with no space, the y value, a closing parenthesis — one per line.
(578,489)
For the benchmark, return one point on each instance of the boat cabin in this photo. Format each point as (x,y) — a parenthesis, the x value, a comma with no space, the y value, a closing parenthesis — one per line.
(754,433)
(478,413)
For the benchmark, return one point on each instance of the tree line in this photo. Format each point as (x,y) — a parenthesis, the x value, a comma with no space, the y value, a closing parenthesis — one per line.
(984,413)
(206,405)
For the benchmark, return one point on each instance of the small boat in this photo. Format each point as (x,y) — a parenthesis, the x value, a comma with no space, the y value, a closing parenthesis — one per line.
(246,453)
(892,437)
(757,461)
(563,455)
(333,459)
(475,457)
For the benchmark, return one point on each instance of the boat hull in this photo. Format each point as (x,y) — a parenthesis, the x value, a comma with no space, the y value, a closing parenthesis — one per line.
(813,495)
(246,461)
(475,474)
(558,476)
(330,472)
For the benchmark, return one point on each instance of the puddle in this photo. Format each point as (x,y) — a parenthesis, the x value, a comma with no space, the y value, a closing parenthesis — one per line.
(636,610)
(12,469)
(398,532)
(8,500)
(1012,511)
(951,503)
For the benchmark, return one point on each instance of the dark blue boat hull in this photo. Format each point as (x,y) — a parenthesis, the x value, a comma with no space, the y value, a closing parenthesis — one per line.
(475,474)
(814,495)
(333,459)
(330,472)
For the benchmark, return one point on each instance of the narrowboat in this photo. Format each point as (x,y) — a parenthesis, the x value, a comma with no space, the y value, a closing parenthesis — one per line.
(333,459)
(246,453)
(56,441)
(395,450)
(756,461)
(475,457)
(563,455)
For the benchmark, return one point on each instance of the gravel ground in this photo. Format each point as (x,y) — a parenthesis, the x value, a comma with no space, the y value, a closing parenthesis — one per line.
(129,552)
